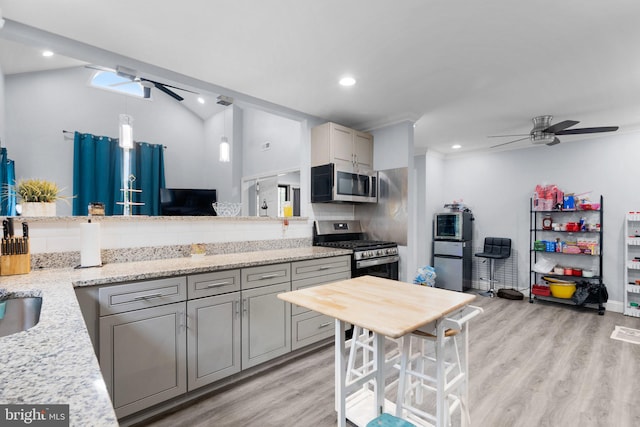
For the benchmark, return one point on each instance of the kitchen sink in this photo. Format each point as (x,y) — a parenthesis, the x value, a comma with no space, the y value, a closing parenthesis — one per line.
(20,314)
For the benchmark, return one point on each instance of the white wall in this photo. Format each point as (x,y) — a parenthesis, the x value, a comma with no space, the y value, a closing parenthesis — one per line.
(497,187)
(283,135)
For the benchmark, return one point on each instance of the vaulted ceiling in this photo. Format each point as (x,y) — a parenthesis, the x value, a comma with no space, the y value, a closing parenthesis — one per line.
(461,69)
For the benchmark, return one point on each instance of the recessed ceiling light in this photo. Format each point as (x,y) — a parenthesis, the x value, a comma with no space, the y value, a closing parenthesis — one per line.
(201,100)
(347,81)
(456,146)
(47,53)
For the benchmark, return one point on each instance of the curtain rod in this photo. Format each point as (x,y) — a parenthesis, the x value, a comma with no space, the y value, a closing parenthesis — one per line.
(72,133)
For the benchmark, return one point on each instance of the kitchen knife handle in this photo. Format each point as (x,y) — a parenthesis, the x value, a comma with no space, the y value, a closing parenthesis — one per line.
(25,230)
(10,226)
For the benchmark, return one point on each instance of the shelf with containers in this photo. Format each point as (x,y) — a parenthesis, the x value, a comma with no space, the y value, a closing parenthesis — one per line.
(632,264)
(565,261)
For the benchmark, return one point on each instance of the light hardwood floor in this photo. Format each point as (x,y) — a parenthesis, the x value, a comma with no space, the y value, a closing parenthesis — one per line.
(541,364)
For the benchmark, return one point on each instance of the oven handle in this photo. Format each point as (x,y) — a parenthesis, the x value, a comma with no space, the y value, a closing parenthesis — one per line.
(377,261)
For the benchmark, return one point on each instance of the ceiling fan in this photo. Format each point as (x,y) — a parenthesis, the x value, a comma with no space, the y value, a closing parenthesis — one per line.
(147,84)
(544,132)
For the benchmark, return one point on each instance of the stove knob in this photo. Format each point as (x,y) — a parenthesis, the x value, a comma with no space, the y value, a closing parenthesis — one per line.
(380,252)
(366,254)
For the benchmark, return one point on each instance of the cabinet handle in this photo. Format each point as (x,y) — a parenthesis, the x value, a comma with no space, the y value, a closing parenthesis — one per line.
(268,276)
(245,306)
(324,267)
(145,297)
(217,285)
(237,305)
(183,319)
(324,325)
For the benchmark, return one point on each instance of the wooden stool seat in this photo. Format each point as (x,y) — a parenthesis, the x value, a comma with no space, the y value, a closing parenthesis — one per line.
(447,333)
(387,420)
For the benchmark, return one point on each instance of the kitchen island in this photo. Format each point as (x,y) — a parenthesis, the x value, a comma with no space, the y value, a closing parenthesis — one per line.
(54,362)
(387,308)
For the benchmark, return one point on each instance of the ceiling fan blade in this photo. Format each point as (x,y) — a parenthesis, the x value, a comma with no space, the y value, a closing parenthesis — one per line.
(500,136)
(554,142)
(560,126)
(122,83)
(510,142)
(169,92)
(587,130)
(166,85)
(179,88)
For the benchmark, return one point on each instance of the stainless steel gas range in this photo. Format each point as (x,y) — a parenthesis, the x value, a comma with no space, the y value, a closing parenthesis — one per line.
(370,257)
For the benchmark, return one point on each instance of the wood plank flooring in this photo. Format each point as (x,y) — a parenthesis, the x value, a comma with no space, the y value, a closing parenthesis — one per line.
(541,364)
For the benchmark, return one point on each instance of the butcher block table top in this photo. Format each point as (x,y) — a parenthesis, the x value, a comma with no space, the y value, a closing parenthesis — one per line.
(384,306)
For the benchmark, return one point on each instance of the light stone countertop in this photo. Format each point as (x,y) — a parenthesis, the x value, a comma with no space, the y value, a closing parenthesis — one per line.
(54,362)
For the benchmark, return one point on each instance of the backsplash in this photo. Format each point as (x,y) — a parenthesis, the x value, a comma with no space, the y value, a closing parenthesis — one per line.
(55,242)
(72,259)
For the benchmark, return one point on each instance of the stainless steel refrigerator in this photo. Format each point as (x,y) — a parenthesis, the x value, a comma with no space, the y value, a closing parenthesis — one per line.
(452,261)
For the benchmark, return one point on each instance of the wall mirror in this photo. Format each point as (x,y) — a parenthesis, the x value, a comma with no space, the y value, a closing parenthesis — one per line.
(267,195)
(41,100)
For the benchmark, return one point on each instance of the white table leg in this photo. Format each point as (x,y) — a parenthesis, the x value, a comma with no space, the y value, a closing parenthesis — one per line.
(379,354)
(340,373)
(440,397)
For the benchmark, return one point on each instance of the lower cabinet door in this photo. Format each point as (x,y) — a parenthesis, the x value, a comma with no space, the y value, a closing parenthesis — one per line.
(266,324)
(143,356)
(213,342)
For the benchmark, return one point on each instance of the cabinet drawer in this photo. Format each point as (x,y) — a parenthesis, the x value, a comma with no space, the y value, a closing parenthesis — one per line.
(216,283)
(138,295)
(310,327)
(318,267)
(255,277)
(315,281)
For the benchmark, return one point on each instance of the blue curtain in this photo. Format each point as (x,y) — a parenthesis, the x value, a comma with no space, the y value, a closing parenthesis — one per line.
(8,181)
(147,165)
(97,175)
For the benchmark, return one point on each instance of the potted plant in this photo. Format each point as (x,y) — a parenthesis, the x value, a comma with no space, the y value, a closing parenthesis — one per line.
(38,197)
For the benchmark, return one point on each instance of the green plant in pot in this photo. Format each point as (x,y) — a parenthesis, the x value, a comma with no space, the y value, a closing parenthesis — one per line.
(38,197)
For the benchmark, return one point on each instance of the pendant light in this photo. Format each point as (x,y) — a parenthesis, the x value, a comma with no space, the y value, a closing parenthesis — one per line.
(126,132)
(224,150)
(224,142)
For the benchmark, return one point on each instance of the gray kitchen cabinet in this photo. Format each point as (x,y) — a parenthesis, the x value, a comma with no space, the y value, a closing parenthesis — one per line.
(266,324)
(162,338)
(308,327)
(349,149)
(213,342)
(143,356)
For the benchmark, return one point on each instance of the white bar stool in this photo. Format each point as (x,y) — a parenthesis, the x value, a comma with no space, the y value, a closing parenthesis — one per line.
(362,355)
(448,384)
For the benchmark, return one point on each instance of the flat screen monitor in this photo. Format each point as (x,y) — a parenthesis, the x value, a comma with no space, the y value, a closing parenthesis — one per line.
(187,202)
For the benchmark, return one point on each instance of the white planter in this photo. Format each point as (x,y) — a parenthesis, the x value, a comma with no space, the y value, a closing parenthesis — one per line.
(38,209)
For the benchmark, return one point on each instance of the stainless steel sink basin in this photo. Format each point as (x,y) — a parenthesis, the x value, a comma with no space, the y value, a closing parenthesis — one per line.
(20,314)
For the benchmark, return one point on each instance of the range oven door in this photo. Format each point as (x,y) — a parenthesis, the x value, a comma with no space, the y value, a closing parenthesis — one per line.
(386,267)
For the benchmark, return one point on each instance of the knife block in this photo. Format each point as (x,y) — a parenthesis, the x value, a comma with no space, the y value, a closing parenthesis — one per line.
(15,264)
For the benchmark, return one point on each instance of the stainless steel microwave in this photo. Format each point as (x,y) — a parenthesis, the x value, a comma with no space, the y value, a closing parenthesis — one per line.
(329,184)
(453,226)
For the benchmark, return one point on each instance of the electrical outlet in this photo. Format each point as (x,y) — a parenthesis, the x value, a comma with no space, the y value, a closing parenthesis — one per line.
(266,146)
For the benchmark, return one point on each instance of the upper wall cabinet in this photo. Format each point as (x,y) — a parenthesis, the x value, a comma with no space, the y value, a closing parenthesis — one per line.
(349,149)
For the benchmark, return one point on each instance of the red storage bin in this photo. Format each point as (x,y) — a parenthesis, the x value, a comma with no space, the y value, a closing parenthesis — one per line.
(543,291)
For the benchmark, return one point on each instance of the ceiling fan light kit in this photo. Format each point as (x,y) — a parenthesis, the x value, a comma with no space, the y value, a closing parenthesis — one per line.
(544,132)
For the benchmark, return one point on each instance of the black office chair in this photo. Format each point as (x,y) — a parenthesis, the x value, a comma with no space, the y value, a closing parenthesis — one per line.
(494,248)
